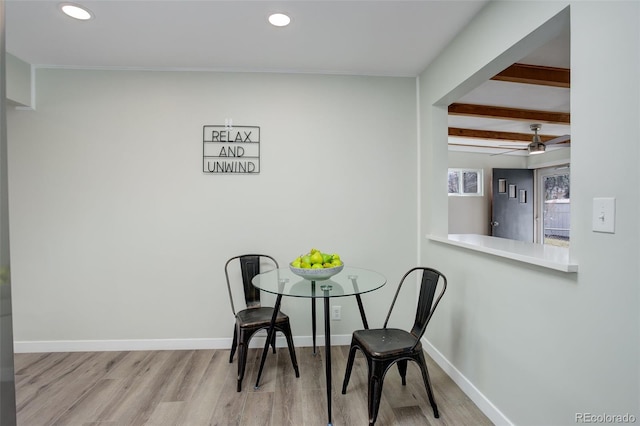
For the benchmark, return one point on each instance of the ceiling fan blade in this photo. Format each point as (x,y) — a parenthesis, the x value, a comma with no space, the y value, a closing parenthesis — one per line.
(559,139)
(506,152)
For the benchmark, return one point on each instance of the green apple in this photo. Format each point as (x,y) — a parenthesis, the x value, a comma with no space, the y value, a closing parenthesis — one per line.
(316,258)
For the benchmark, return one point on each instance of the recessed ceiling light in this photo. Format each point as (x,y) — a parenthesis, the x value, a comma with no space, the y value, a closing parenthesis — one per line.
(279,20)
(76,11)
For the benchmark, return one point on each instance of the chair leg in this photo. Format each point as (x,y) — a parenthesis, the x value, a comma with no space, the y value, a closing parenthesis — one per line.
(292,349)
(347,373)
(273,343)
(234,344)
(402,368)
(427,383)
(243,347)
(376,378)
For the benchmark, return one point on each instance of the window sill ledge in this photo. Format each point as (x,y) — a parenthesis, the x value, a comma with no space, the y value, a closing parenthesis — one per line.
(546,256)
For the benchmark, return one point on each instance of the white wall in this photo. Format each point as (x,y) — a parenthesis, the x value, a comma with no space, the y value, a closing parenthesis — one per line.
(542,345)
(118,234)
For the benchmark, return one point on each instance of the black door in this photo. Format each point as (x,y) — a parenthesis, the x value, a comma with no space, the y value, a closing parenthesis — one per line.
(512,204)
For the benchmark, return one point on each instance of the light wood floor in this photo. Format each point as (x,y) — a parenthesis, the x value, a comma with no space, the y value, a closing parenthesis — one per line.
(198,387)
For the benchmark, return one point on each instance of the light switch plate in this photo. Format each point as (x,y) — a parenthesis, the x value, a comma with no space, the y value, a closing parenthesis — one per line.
(604,215)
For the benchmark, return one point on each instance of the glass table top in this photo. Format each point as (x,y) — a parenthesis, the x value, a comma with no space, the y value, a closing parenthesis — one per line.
(348,282)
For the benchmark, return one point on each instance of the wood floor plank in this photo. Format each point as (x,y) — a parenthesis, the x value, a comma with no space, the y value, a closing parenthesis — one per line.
(161,384)
(311,368)
(261,411)
(166,414)
(45,364)
(129,363)
(50,391)
(178,376)
(462,414)
(134,401)
(191,376)
(87,407)
(287,405)
(36,375)
(52,401)
(230,404)
(24,361)
(200,407)
(410,416)
(314,407)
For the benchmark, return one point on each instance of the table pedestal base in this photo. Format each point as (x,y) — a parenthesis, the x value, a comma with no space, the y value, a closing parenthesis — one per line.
(327,352)
(327,338)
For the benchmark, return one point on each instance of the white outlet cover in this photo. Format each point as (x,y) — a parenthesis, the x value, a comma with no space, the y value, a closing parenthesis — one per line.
(335,312)
(604,215)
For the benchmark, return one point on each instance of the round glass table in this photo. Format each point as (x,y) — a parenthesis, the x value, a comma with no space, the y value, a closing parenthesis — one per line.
(348,282)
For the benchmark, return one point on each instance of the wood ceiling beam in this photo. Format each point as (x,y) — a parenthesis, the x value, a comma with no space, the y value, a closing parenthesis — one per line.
(490,134)
(536,74)
(487,111)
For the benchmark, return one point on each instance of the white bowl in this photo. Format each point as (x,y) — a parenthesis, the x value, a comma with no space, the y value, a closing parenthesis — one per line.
(316,274)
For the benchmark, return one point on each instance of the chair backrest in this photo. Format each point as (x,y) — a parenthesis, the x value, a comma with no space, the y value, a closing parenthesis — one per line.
(250,266)
(426,303)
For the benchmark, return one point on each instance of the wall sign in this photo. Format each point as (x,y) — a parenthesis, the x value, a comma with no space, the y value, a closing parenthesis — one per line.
(231,150)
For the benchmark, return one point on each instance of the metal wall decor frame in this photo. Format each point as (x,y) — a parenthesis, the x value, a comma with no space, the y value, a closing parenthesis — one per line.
(522,196)
(230,149)
(502,186)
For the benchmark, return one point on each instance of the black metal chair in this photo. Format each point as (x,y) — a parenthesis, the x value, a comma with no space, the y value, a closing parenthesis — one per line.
(255,317)
(384,347)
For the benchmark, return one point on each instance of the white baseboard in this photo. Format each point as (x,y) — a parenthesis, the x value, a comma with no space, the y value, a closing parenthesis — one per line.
(478,398)
(118,345)
(162,344)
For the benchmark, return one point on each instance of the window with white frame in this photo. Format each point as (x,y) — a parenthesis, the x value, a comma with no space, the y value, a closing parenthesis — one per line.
(465,182)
